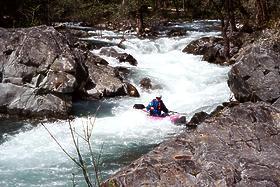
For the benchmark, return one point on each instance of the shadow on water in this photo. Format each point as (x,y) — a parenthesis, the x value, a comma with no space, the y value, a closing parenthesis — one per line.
(85,108)
(123,157)
(9,127)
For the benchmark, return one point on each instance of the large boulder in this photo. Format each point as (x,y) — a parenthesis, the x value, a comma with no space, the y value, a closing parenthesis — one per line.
(106,81)
(256,75)
(107,84)
(42,63)
(237,148)
(27,54)
(212,49)
(23,101)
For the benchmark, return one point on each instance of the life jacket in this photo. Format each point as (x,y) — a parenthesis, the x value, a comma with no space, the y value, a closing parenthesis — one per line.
(157,105)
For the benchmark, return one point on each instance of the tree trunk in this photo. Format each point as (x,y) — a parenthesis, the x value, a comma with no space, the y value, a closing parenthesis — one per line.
(262,14)
(232,16)
(175,3)
(124,3)
(158,4)
(139,18)
(225,24)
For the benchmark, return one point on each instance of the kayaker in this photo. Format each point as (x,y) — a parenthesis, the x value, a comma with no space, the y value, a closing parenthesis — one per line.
(156,106)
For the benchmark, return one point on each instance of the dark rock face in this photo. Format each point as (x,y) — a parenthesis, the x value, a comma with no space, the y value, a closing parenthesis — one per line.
(132,90)
(176,32)
(256,75)
(122,57)
(41,62)
(146,83)
(106,82)
(211,48)
(237,148)
(198,118)
(122,72)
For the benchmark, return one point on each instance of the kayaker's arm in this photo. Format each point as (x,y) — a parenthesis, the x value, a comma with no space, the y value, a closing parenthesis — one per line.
(164,109)
(148,108)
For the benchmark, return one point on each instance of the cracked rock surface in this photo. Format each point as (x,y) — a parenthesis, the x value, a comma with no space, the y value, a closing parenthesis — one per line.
(256,75)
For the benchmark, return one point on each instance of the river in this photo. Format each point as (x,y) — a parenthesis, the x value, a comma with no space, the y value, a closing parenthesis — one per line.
(30,157)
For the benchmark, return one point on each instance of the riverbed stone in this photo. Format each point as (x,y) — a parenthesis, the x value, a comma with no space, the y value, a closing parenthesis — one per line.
(131,90)
(37,60)
(146,83)
(122,57)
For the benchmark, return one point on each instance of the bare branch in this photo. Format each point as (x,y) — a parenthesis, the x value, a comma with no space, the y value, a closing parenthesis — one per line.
(81,160)
(73,159)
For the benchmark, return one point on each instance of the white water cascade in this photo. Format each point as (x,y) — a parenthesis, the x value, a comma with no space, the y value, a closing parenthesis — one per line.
(30,157)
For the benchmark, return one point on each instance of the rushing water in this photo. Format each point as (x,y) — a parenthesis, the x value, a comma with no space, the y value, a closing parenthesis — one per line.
(30,157)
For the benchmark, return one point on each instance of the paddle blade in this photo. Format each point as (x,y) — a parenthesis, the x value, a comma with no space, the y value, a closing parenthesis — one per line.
(139,106)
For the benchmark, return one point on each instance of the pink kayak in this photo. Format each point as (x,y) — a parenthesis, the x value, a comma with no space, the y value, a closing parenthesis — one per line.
(174,118)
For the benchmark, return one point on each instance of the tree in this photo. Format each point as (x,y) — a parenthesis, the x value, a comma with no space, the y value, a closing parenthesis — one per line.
(261,9)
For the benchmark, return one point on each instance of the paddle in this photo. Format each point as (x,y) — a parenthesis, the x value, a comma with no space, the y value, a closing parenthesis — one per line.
(174,112)
(139,106)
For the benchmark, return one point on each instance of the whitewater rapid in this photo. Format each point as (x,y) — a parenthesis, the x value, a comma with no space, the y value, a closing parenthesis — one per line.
(30,157)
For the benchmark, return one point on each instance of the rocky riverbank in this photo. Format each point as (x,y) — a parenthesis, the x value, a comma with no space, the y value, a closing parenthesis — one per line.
(238,145)
(43,70)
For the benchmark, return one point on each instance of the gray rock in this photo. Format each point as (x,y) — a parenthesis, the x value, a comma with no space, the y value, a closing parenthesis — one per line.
(210,47)
(107,84)
(277,103)
(176,32)
(40,68)
(256,75)
(39,61)
(122,57)
(24,101)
